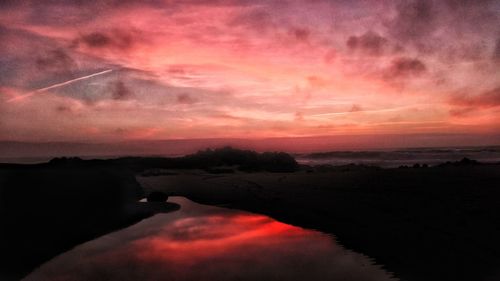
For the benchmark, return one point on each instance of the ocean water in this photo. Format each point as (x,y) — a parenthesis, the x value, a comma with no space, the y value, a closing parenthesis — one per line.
(396,158)
(381,158)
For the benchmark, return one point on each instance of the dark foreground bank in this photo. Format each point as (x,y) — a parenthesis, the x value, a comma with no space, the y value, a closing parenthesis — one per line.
(423,223)
(49,208)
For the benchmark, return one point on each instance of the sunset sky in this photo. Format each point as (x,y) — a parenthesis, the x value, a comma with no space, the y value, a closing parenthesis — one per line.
(107,71)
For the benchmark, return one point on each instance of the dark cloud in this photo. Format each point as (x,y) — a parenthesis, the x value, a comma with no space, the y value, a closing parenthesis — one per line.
(227,116)
(465,52)
(221,3)
(406,67)
(63,109)
(356,108)
(414,20)
(96,39)
(471,16)
(461,111)
(185,99)
(115,39)
(113,4)
(176,70)
(256,19)
(26,58)
(55,12)
(120,131)
(299,116)
(96,6)
(301,34)
(443,27)
(120,91)
(496,51)
(370,43)
(467,4)
(490,98)
(56,60)
(8,3)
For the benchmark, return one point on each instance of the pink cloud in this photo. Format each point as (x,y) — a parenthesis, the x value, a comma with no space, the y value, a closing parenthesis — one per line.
(239,68)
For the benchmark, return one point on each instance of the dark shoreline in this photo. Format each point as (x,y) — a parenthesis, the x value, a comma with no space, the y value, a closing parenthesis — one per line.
(423,223)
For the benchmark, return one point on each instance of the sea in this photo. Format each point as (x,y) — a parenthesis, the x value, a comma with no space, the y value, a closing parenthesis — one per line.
(382,158)
(400,157)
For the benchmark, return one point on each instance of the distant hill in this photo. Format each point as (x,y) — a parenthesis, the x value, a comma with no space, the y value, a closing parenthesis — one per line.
(243,160)
(17,149)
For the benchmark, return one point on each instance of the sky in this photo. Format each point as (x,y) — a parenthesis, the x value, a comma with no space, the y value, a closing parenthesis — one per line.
(110,71)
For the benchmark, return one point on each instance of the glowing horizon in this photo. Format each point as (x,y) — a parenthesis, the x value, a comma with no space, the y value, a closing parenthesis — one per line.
(153,70)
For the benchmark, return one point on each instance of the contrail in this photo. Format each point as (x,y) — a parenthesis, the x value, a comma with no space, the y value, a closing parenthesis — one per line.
(58,85)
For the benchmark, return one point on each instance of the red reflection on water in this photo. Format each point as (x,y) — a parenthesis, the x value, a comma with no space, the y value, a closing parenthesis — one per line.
(194,239)
(209,243)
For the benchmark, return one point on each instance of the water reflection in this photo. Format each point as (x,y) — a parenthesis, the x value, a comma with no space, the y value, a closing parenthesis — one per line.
(209,243)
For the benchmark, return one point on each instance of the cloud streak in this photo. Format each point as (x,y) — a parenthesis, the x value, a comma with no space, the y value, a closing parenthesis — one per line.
(27,95)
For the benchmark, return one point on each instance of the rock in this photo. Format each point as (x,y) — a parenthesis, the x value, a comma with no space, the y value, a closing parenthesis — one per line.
(157,196)
(466,162)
